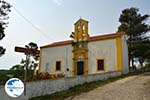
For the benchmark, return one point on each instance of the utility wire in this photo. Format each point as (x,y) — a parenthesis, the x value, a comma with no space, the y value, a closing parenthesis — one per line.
(34,26)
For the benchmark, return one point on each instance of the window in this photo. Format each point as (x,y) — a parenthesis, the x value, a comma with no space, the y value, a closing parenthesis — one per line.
(100,64)
(58,65)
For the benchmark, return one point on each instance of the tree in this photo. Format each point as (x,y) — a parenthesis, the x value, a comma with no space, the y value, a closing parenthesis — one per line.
(33,46)
(142,52)
(4,11)
(133,24)
(31,63)
(19,69)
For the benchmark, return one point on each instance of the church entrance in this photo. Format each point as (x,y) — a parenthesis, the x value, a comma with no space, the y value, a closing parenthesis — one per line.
(80,67)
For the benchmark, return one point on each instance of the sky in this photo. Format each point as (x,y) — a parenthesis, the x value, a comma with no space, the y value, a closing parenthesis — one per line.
(47,21)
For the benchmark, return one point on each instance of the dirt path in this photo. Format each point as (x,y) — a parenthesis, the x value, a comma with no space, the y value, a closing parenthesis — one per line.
(130,88)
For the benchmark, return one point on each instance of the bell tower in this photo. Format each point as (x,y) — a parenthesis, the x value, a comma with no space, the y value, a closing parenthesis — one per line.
(80,47)
(81,30)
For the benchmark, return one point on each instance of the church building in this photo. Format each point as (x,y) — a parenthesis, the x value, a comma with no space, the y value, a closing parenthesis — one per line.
(85,54)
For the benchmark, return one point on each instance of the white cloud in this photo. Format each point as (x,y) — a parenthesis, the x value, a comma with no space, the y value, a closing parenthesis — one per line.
(58,2)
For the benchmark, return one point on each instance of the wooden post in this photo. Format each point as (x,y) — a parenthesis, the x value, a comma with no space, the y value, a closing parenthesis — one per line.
(28,52)
(26,69)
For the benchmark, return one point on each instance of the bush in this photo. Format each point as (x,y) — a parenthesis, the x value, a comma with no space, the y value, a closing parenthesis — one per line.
(47,75)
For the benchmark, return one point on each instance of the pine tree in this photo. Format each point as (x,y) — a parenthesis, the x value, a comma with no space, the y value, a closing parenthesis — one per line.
(133,24)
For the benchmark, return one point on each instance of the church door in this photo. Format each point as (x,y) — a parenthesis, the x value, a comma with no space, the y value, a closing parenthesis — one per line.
(80,67)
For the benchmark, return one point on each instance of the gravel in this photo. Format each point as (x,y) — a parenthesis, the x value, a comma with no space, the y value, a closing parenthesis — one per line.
(131,88)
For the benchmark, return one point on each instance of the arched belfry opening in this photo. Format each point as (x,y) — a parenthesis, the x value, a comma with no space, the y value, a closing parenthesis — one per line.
(80,47)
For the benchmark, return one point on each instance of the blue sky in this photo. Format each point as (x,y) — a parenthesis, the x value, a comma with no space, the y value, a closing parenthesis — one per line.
(55,19)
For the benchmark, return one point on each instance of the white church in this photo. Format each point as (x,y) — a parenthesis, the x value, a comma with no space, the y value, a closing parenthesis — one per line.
(85,54)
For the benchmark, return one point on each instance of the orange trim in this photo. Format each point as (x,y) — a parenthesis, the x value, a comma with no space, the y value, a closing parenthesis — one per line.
(92,38)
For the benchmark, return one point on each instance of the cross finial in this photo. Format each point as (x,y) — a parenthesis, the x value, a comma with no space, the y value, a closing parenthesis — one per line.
(80,17)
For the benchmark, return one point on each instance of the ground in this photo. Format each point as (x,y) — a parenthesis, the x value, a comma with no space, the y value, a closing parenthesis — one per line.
(131,88)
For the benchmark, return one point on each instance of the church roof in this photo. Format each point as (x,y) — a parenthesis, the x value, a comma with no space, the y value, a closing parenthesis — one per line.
(92,38)
(58,44)
(81,20)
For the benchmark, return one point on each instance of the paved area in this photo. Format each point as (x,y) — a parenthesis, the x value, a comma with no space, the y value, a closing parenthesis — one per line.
(130,88)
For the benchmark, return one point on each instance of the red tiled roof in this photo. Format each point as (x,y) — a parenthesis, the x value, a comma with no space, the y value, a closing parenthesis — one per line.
(105,37)
(92,38)
(58,44)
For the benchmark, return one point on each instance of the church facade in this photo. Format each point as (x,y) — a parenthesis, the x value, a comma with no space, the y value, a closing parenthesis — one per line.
(85,54)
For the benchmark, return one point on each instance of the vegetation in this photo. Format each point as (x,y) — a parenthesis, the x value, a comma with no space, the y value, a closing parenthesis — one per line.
(19,69)
(135,27)
(46,75)
(3,75)
(146,68)
(4,11)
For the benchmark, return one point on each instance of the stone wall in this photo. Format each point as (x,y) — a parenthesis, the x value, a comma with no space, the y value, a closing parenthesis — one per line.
(43,87)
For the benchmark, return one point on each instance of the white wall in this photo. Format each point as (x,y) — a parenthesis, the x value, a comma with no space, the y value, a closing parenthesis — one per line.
(105,49)
(125,55)
(38,88)
(53,54)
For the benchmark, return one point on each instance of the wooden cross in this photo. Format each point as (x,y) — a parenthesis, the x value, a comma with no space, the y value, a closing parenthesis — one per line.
(27,52)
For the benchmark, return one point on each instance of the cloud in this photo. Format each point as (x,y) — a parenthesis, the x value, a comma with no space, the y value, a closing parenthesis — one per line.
(58,2)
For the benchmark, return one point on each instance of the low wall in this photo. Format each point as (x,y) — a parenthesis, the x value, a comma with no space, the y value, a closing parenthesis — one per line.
(43,87)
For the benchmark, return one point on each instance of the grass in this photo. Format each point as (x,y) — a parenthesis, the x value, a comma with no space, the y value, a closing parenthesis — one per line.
(77,89)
